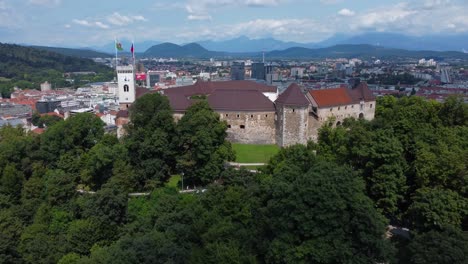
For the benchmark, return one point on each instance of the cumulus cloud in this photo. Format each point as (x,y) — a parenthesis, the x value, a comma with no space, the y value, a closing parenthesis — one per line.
(123,20)
(87,23)
(200,9)
(346,12)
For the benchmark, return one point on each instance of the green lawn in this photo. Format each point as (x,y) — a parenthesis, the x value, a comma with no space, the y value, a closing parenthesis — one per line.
(174,181)
(246,153)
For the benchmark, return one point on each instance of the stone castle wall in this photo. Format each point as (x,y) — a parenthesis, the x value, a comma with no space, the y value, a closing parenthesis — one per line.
(250,127)
(292,126)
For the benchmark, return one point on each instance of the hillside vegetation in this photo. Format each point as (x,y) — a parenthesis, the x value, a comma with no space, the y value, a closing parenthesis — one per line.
(327,202)
(81,53)
(28,67)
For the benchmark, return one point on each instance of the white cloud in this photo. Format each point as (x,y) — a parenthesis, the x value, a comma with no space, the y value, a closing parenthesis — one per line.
(67,26)
(199,17)
(123,20)
(101,25)
(82,22)
(86,23)
(46,3)
(346,12)
(201,9)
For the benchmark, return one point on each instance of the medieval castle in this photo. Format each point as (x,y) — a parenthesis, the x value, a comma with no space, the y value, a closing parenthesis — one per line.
(256,113)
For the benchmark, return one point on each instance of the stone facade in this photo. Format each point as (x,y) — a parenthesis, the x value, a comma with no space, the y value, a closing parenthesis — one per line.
(292,125)
(293,118)
(250,127)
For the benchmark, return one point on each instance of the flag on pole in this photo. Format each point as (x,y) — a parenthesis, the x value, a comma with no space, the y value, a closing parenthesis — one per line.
(132,50)
(118,46)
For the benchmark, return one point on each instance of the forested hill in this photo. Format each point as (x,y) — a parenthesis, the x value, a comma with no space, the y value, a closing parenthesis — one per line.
(27,67)
(82,53)
(328,202)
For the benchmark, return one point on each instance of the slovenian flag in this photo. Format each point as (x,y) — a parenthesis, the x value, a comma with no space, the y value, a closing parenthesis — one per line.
(132,50)
(118,46)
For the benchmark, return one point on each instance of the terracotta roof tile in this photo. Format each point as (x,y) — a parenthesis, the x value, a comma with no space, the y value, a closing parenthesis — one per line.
(240,100)
(229,95)
(361,92)
(331,97)
(122,114)
(293,95)
(342,96)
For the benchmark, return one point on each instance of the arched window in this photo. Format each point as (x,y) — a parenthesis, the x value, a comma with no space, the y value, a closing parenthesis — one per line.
(361,115)
(126,88)
(338,123)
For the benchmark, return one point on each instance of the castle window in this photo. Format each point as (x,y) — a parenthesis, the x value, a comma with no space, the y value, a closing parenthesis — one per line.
(339,108)
(266,115)
(242,126)
(229,126)
(251,116)
(331,109)
(126,88)
(346,107)
(238,115)
(227,115)
(294,110)
(370,105)
(352,106)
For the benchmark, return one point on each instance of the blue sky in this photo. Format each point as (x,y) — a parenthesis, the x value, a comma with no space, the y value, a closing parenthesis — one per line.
(96,22)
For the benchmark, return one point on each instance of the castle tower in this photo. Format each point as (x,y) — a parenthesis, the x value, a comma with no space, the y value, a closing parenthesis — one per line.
(126,86)
(292,108)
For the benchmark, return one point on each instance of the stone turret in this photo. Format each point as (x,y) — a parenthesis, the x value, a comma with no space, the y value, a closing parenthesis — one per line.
(292,109)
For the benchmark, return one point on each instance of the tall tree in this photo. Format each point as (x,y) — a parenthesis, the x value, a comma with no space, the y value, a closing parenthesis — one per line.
(202,144)
(322,216)
(149,140)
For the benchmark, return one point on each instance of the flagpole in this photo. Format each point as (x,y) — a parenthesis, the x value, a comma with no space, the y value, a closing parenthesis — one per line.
(116,56)
(133,54)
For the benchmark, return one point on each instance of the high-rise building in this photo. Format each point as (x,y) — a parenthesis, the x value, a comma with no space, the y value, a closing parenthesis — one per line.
(237,71)
(152,78)
(445,76)
(258,71)
(126,84)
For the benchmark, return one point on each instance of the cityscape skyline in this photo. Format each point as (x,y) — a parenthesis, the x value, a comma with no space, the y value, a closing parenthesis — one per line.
(72,23)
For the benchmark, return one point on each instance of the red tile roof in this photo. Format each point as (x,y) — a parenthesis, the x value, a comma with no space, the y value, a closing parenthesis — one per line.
(122,114)
(229,95)
(331,97)
(240,100)
(361,92)
(342,96)
(38,130)
(293,95)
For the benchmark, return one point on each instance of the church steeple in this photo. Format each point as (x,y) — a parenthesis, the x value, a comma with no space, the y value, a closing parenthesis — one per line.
(126,84)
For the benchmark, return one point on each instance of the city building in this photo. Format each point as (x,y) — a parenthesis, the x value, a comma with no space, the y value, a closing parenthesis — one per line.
(258,71)
(254,116)
(237,71)
(126,86)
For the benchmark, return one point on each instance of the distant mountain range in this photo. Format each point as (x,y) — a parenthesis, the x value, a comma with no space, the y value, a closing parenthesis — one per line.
(244,44)
(191,50)
(126,44)
(389,40)
(363,51)
(194,50)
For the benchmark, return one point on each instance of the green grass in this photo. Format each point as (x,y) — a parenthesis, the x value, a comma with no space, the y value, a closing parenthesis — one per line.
(3,79)
(174,181)
(246,153)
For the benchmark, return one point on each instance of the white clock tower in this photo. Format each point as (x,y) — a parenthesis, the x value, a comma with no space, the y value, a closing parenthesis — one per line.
(126,83)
